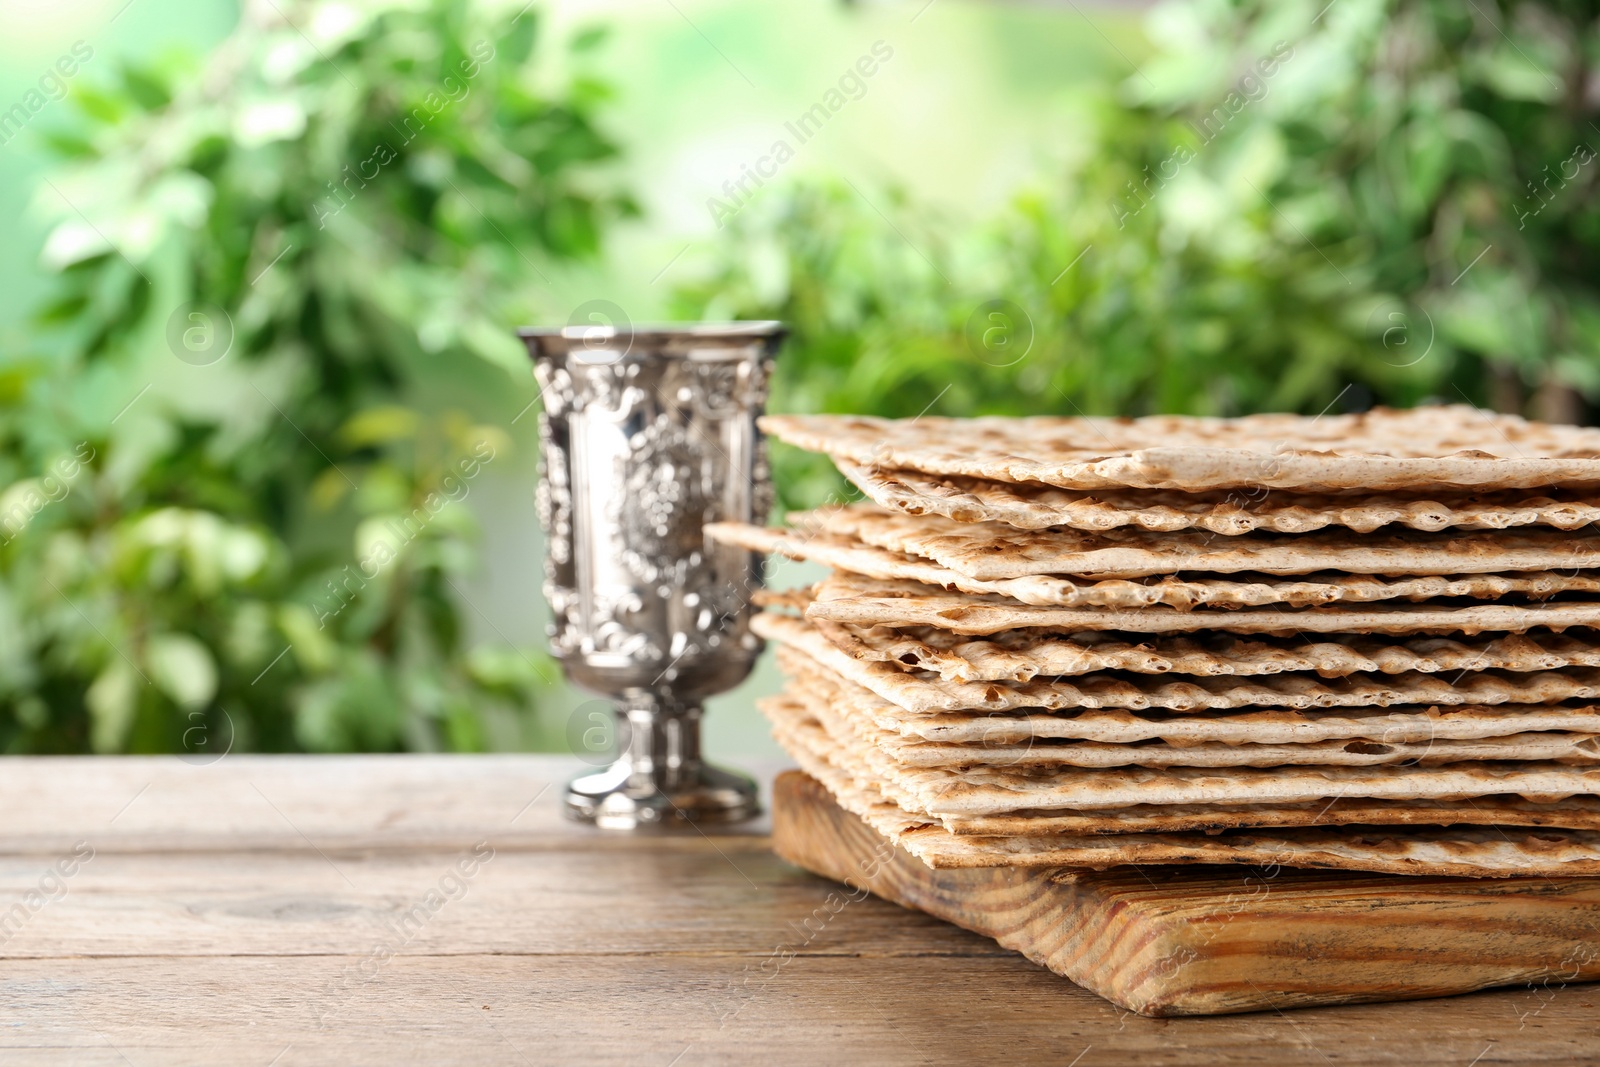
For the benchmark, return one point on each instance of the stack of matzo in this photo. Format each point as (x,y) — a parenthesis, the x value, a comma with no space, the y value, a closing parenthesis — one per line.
(1362,641)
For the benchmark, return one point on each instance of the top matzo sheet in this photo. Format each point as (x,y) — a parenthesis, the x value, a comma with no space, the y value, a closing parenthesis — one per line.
(1383,449)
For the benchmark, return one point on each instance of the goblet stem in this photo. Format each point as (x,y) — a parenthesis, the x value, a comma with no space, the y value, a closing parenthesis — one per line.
(659,778)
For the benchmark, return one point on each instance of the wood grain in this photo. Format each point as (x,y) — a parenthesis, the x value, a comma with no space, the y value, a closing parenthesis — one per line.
(1208,941)
(207,929)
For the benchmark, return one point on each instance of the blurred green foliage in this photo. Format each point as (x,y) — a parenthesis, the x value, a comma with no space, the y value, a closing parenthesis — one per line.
(1290,198)
(230,518)
(232,510)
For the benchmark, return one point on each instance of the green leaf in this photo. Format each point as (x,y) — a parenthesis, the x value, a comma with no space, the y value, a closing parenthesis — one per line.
(590,38)
(517,44)
(182,668)
(145,87)
(98,104)
(495,344)
(65,309)
(67,145)
(379,425)
(112,700)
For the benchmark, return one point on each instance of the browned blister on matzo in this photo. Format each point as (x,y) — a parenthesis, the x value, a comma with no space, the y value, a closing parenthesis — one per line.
(1383,450)
(1225,512)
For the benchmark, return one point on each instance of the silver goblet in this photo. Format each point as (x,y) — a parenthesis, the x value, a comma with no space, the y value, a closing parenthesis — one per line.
(648,434)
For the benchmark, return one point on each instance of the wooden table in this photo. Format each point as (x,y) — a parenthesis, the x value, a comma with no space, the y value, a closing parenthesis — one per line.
(437,910)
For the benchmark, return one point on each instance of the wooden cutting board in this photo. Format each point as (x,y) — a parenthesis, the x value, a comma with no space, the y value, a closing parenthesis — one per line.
(1216,940)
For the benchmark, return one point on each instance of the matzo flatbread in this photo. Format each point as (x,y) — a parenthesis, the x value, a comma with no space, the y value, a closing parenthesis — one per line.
(1034,752)
(1038,507)
(854,556)
(994,791)
(792,599)
(1573,813)
(1577,749)
(1409,850)
(796,733)
(1408,725)
(1105,690)
(1454,851)
(805,738)
(994,552)
(1022,655)
(986,790)
(811,746)
(1380,450)
(841,598)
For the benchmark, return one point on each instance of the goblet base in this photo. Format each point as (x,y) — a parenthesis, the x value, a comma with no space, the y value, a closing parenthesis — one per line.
(621,797)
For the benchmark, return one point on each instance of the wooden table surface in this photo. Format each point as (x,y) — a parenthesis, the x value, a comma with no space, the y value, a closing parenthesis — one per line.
(438,910)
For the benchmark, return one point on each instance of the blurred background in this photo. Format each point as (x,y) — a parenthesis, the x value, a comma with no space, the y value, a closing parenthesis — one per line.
(268,445)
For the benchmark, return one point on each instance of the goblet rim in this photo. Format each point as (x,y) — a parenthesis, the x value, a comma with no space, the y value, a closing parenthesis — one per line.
(560,338)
